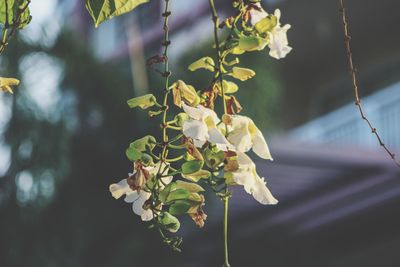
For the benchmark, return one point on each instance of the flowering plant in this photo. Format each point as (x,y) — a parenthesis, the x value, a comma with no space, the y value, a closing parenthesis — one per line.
(209,149)
(199,148)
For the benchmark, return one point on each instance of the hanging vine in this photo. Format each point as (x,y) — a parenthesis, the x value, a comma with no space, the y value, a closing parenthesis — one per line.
(355,84)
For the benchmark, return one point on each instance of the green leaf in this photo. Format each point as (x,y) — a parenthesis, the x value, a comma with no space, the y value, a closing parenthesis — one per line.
(10,17)
(213,158)
(170,222)
(242,74)
(135,149)
(191,187)
(196,176)
(180,207)
(203,63)
(102,10)
(251,43)
(181,118)
(192,166)
(180,190)
(144,144)
(178,194)
(165,192)
(196,198)
(143,102)
(133,154)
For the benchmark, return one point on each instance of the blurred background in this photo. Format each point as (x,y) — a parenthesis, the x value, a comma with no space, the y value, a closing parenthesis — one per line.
(64,132)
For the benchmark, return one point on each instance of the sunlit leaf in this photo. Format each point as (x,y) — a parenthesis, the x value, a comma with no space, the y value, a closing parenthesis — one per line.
(196,176)
(9,18)
(242,74)
(102,10)
(191,187)
(203,63)
(143,102)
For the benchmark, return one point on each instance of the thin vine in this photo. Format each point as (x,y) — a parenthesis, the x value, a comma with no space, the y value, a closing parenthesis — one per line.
(355,83)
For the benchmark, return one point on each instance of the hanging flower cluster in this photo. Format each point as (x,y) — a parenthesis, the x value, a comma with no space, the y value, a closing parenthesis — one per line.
(201,148)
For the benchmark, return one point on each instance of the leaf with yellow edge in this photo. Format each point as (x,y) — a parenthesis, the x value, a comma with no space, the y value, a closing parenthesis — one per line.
(143,102)
(242,74)
(203,63)
(6,83)
(196,176)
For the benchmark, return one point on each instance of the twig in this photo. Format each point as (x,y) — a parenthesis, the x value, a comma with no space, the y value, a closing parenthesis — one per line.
(15,24)
(355,83)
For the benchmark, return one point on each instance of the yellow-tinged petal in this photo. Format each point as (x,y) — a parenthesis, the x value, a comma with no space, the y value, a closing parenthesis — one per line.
(6,83)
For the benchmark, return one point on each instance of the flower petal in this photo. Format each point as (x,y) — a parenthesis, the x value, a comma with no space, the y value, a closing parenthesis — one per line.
(147,215)
(195,129)
(239,135)
(247,176)
(132,197)
(217,138)
(137,205)
(209,113)
(260,146)
(120,189)
(194,113)
(261,193)
(278,44)
(257,15)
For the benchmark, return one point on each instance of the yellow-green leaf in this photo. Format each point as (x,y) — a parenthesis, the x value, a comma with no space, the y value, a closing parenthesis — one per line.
(251,43)
(10,18)
(196,176)
(203,63)
(143,102)
(242,74)
(102,10)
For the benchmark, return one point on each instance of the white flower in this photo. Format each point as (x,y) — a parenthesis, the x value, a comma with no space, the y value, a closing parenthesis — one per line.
(257,14)
(278,42)
(244,135)
(139,197)
(202,127)
(247,176)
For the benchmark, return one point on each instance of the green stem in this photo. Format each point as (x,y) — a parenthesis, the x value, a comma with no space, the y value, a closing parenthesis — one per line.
(166,74)
(217,48)
(218,75)
(226,205)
